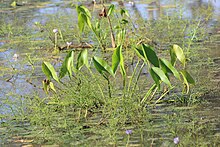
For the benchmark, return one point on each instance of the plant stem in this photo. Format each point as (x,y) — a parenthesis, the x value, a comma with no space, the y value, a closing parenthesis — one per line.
(109,88)
(133,74)
(55,41)
(112,33)
(139,74)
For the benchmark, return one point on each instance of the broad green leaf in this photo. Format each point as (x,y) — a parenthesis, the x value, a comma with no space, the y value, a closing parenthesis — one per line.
(84,10)
(102,67)
(178,53)
(49,71)
(67,65)
(81,22)
(116,59)
(187,77)
(150,55)
(111,9)
(52,87)
(157,72)
(172,56)
(82,59)
(155,77)
(167,67)
(84,16)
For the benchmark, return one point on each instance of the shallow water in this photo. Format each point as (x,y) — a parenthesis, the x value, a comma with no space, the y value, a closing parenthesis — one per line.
(18,77)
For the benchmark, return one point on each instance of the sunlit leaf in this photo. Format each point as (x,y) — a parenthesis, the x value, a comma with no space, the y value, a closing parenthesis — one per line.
(49,71)
(102,67)
(150,55)
(81,22)
(121,36)
(67,65)
(52,87)
(117,58)
(111,9)
(158,74)
(172,56)
(84,10)
(14,4)
(167,67)
(84,16)
(178,52)
(82,59)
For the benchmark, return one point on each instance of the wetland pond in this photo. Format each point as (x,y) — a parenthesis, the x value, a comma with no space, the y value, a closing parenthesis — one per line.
(95,104)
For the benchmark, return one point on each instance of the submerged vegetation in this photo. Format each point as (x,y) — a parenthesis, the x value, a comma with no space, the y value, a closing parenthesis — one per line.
(111,79)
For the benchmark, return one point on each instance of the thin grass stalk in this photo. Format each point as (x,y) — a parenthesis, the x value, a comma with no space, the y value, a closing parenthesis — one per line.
(133,74)
(149,93)
(139,74)
(112,33)
(100,89)
(162,96)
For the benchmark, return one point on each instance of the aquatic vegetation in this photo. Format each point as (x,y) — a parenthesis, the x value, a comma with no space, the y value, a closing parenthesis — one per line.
(131,86)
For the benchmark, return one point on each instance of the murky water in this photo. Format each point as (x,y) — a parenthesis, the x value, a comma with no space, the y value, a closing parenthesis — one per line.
(18,78)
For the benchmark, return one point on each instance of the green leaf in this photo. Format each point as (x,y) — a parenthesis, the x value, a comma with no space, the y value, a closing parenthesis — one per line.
(49,71)
(117,58)
(84,10)
(150,55)
(52,87)
(84,16)
(187,77)
(81,22)
(102,67)
(167,67)
(155,77)
(14,4)
(111,9)
(122,66)
(158,74)
(67,65)
(82,59)
(172,56)
(178,52)
(121,36)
